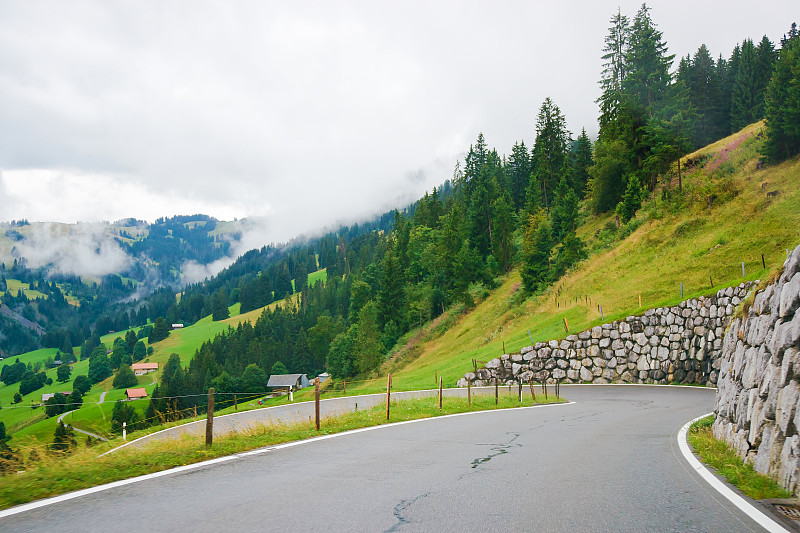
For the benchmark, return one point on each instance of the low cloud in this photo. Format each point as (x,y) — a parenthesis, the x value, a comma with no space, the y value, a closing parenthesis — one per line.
(194,272)
(81,249)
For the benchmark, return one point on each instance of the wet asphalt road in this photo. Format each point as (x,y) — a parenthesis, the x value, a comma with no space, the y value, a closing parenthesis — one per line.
(608,462)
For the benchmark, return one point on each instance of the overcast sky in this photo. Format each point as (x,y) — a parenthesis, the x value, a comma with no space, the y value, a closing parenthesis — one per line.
(304,113)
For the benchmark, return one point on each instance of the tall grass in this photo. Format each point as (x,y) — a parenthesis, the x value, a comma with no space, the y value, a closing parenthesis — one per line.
(723,459)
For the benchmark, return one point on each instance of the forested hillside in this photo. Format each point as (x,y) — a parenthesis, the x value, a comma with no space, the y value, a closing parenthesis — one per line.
(47,305)
(520,210)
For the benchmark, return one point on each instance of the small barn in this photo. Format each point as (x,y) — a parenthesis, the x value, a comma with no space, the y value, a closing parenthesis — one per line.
(144,368)
(135,394)
(286,382)
(46,396)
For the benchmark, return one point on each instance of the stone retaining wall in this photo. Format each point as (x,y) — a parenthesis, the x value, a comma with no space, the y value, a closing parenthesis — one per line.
(680,344)
(758,398)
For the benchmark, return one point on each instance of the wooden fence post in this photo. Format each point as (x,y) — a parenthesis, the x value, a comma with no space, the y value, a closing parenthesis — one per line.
(763,263)
(496,392)
(388,393)
(533,394)
(566,325)
(441,380)
(519,391)
(469,393)
(316,403)
(210,418)
(235,403)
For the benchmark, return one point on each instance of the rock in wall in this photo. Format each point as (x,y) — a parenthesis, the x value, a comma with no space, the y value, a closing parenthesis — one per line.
(758,393)
(680,344)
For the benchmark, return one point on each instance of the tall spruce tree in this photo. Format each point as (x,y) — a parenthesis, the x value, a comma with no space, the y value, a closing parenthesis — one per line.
(518,170)
(614,71)
(647,63)
(549,158)
(747,94)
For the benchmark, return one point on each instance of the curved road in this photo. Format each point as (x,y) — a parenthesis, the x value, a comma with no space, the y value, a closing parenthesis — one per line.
(608,462)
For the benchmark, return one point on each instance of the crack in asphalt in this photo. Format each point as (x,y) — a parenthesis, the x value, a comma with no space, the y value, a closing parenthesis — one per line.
(400,508)
(501,449)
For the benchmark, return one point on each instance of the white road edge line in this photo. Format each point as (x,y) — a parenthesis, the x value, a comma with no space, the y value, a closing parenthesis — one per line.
(759,517)
(92,490)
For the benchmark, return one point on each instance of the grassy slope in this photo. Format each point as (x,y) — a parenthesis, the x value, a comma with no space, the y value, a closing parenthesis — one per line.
(663,252)
(95,417)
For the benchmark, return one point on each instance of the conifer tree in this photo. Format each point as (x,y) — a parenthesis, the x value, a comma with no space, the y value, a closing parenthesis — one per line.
(278,369)
(124,412)
(66,345)
(564,213)
(699,75)
(74,401)
(99,367)
(63,438)
(614,71)
(125,378)
(368,347)
(219,306)
(747,94)
(63,373)
(502,235)
(537,248)
(647,63)
(766,55)
(783,103)
(390,294)
(518,170)
(139,351)
(631,200)
(467,267)
(606,184)
(580,159)
(549,155)
(571,251)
